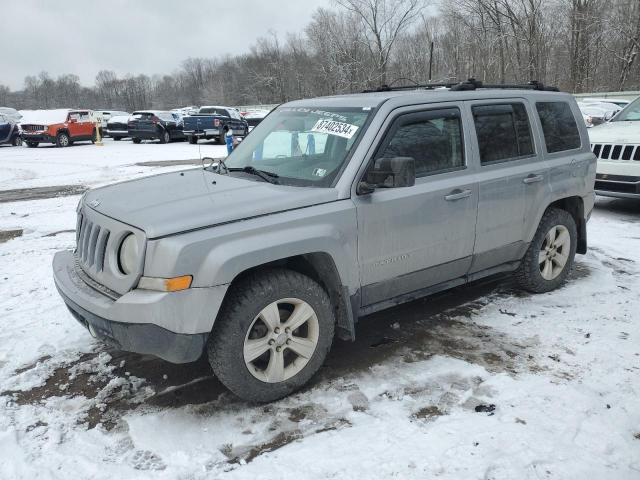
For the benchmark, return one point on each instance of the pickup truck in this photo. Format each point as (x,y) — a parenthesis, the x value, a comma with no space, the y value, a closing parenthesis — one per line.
(214,122)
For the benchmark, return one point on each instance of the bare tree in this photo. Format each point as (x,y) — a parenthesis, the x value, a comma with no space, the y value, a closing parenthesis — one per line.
(384,21)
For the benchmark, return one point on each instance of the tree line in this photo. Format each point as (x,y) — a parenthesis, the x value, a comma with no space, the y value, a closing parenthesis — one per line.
(577,45)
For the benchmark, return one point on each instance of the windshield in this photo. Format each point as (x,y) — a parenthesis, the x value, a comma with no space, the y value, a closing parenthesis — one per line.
(630,113)
(302,146)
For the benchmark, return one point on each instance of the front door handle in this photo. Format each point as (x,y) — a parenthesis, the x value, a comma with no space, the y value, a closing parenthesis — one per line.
(533,179)
(457,194)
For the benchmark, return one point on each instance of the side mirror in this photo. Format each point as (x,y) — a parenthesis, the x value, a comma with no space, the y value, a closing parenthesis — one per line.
(389,172)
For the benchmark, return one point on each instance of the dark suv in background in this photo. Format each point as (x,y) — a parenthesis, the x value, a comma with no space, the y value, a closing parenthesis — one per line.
(155,125)
(9,132)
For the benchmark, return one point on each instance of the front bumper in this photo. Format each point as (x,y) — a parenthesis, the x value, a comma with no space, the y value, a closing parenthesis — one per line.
(619,186)
(172,326)
(38,137)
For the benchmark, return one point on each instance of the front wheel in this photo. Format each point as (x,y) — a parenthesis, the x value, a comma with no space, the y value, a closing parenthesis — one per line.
(62,140)
(272,335)
(137,140)
(193,140)
(32,144)
(550,256)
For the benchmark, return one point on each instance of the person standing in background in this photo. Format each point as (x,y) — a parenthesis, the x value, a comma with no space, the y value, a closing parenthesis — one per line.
(229,140)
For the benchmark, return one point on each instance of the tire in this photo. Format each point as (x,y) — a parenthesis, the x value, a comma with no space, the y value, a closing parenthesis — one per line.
(193,140)
(94,136)
(63,140)
(550,256)
(165,137)
(32,144)
(117,139)
(17,141)
(136,140)
(277,291)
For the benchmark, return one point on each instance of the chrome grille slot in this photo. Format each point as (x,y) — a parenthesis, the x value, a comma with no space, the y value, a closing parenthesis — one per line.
(93,242)
(101,249)
(85,242)
(78,228)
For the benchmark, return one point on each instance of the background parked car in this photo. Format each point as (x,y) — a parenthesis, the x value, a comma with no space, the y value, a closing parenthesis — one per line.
(213,122)
(117,127)
(11,113)
(254,117)
(103,116)
(616,144)
(155,125)
(597,113)
(9,131)
(621,102)
(61,127)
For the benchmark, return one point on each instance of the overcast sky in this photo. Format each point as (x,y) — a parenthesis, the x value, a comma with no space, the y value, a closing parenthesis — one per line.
(134,36)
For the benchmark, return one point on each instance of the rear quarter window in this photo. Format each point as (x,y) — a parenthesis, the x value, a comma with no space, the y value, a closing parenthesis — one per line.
(558,126)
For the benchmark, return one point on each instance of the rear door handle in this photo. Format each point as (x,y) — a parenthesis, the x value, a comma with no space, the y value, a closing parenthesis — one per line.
(533,179)
(457,194)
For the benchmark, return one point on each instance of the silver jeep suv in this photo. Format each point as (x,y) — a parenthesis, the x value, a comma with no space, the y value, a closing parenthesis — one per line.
(331,209)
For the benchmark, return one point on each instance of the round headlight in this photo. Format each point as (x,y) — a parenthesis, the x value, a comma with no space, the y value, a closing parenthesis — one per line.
(128,255)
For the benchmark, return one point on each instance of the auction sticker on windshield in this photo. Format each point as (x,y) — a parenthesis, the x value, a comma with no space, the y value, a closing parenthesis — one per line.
(344,130)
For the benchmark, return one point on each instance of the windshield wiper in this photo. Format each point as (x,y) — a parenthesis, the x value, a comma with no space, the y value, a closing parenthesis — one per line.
(263,174)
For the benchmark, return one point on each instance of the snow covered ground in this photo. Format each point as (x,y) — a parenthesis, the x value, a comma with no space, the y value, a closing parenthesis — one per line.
(481,382)
(88,164)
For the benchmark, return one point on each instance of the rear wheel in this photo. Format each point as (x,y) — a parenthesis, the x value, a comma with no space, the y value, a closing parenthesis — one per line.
(136,140)
(17,141)
(165,137)
(117,139)
(32,144)
(550,256)
(272,335)
(63,140)
(193,140)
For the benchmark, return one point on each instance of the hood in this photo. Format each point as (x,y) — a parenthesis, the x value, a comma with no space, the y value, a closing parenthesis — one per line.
(180,201)
(616,132)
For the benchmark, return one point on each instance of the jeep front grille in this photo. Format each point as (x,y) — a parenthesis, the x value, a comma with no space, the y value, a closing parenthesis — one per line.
(32,128)
(91,243)
(608,151)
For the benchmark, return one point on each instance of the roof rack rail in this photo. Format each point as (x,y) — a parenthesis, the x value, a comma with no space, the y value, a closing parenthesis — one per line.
(469,84)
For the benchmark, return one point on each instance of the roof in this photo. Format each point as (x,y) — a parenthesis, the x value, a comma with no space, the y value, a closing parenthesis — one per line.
(375,99)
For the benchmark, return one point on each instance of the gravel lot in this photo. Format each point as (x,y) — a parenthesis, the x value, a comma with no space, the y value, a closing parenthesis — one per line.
(480,382)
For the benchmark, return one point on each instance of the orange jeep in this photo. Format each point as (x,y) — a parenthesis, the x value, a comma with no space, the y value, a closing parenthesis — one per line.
(60,127)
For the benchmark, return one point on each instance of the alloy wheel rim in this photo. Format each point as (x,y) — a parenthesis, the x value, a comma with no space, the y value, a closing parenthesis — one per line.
(281,340)
(64,141)
(554,252)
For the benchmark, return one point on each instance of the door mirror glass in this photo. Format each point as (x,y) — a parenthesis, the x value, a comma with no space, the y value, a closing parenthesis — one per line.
(389,172)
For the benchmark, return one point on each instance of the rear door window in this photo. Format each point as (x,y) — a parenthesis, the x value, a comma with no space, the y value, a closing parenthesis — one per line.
(503,132)
(558,126)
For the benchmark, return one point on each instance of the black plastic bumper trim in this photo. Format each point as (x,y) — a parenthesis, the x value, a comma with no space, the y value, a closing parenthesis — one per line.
(144,338)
